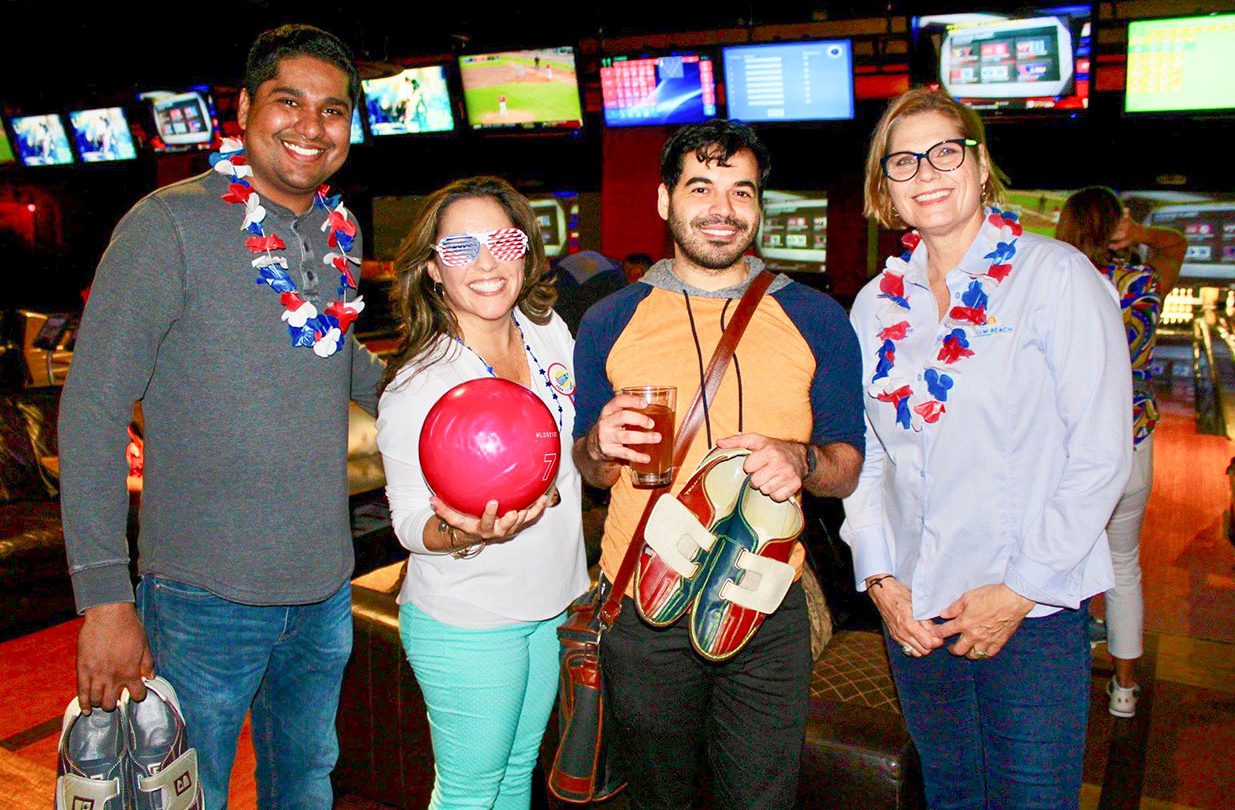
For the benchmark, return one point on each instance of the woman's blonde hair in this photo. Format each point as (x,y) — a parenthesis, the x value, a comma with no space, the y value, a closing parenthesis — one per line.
(1088,220)
(420,308)
(877,201)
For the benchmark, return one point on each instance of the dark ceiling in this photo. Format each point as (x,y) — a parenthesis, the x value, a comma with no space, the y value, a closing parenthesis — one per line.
(56,54)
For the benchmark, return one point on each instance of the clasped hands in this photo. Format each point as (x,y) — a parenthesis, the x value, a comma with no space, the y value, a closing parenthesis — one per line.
(982,619)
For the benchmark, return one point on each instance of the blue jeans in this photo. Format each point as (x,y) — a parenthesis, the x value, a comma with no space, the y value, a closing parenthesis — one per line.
(1004,732)
(283,662)
(488,693)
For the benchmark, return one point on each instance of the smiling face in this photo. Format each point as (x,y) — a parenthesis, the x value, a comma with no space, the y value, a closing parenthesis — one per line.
(485,290)
(713,213)
(297,130)
(937,204)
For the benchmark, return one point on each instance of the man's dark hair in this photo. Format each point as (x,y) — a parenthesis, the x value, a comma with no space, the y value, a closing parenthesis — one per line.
(716,140)
(640,258)
(289,41)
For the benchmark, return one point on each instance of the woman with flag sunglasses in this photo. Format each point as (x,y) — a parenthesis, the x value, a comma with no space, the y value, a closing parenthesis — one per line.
(483,596)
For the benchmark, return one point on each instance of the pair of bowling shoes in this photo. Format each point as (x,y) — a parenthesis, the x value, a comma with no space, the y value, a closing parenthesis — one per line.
(136,757)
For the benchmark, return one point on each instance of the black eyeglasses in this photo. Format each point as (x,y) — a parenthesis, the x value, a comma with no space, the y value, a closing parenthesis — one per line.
(945,156)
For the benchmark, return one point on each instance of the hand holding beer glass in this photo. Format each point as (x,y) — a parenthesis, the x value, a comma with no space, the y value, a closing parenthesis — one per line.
(659,403)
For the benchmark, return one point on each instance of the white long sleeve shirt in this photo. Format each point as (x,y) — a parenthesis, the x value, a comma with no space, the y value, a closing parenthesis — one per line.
(1016,480)
(542,569)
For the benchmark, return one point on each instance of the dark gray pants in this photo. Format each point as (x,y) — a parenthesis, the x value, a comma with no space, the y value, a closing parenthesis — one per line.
(673,708)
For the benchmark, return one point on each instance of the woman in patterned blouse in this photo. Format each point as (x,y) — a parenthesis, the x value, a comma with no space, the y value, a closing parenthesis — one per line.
(1096,222)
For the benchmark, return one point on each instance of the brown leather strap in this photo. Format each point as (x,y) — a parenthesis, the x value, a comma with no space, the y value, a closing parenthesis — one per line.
(690,426)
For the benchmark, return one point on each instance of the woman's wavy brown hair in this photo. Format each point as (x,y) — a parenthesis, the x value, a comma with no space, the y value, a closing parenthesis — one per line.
(420,310)
(1088,220)
(878,202)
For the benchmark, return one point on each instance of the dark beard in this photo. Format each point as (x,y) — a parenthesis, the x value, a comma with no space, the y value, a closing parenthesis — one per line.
(703,253)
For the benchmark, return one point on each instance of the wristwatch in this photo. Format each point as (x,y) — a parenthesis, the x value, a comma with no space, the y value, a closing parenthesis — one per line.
(811,461)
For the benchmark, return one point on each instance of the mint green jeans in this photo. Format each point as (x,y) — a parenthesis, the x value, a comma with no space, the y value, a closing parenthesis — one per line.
(489,693)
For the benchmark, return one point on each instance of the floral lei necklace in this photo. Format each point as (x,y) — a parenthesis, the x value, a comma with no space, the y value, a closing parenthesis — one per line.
(322,331)
(914,408)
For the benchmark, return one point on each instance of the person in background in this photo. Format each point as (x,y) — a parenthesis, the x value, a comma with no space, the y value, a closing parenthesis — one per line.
(582,279)
(245,545)
(635,265)
(484,595)
(992,366)
(1095,221)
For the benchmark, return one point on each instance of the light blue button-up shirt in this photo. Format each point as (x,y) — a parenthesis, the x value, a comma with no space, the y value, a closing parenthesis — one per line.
(1015,481)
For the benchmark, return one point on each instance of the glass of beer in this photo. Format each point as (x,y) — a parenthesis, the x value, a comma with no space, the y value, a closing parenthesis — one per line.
(659,403)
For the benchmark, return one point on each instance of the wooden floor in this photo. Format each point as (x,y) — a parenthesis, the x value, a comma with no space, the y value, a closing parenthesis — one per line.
(1175,754)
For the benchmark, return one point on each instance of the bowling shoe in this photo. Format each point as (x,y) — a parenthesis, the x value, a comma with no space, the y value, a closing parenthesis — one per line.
(162,768)
(92,760)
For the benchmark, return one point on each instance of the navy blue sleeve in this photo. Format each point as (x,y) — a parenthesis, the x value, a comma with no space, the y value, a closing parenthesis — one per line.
(836,391)
(599,331)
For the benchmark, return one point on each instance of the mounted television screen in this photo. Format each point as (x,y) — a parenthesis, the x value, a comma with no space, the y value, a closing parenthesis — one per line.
(1206,219)
(1038,208)
(558,215)
(102,135)
(182,121)
(1181,64)
(6,148)
(534,89)
(791,81)
(41,140)
(656,91)
(414,101)
(996,61)
(357,128)
(793,235)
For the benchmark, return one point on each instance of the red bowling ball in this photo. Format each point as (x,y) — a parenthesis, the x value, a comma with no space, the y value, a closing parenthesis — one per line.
(489,439)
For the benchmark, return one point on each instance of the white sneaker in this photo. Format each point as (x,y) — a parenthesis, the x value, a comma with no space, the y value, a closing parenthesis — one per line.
(92,760)
(1123,699)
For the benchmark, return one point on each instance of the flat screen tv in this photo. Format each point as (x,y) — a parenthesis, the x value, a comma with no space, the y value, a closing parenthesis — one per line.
(1206,219)
(182,120)
(412,102)
(533,89)
(558,216)
(357,128)
(1039,59)
(793,235)
(790,81)
(102,135)
(1038,208)
(1183,64)
(6,148)
(41,140)
(657,91)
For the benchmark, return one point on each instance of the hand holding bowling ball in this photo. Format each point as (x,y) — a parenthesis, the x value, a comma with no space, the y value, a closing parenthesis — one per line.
(489,527)
(489,447)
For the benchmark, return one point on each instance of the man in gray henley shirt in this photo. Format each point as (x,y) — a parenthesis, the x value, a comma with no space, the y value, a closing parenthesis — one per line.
(245,544)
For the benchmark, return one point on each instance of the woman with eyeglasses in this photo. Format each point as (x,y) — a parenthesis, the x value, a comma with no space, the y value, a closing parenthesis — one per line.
(1095,221)
(993,366)
(484,595)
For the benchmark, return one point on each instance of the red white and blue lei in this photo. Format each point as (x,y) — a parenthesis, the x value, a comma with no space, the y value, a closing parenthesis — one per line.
(322,331)
(896,386)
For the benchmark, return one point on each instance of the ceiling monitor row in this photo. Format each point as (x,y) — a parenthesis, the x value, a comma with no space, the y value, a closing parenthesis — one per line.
(1033,62)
